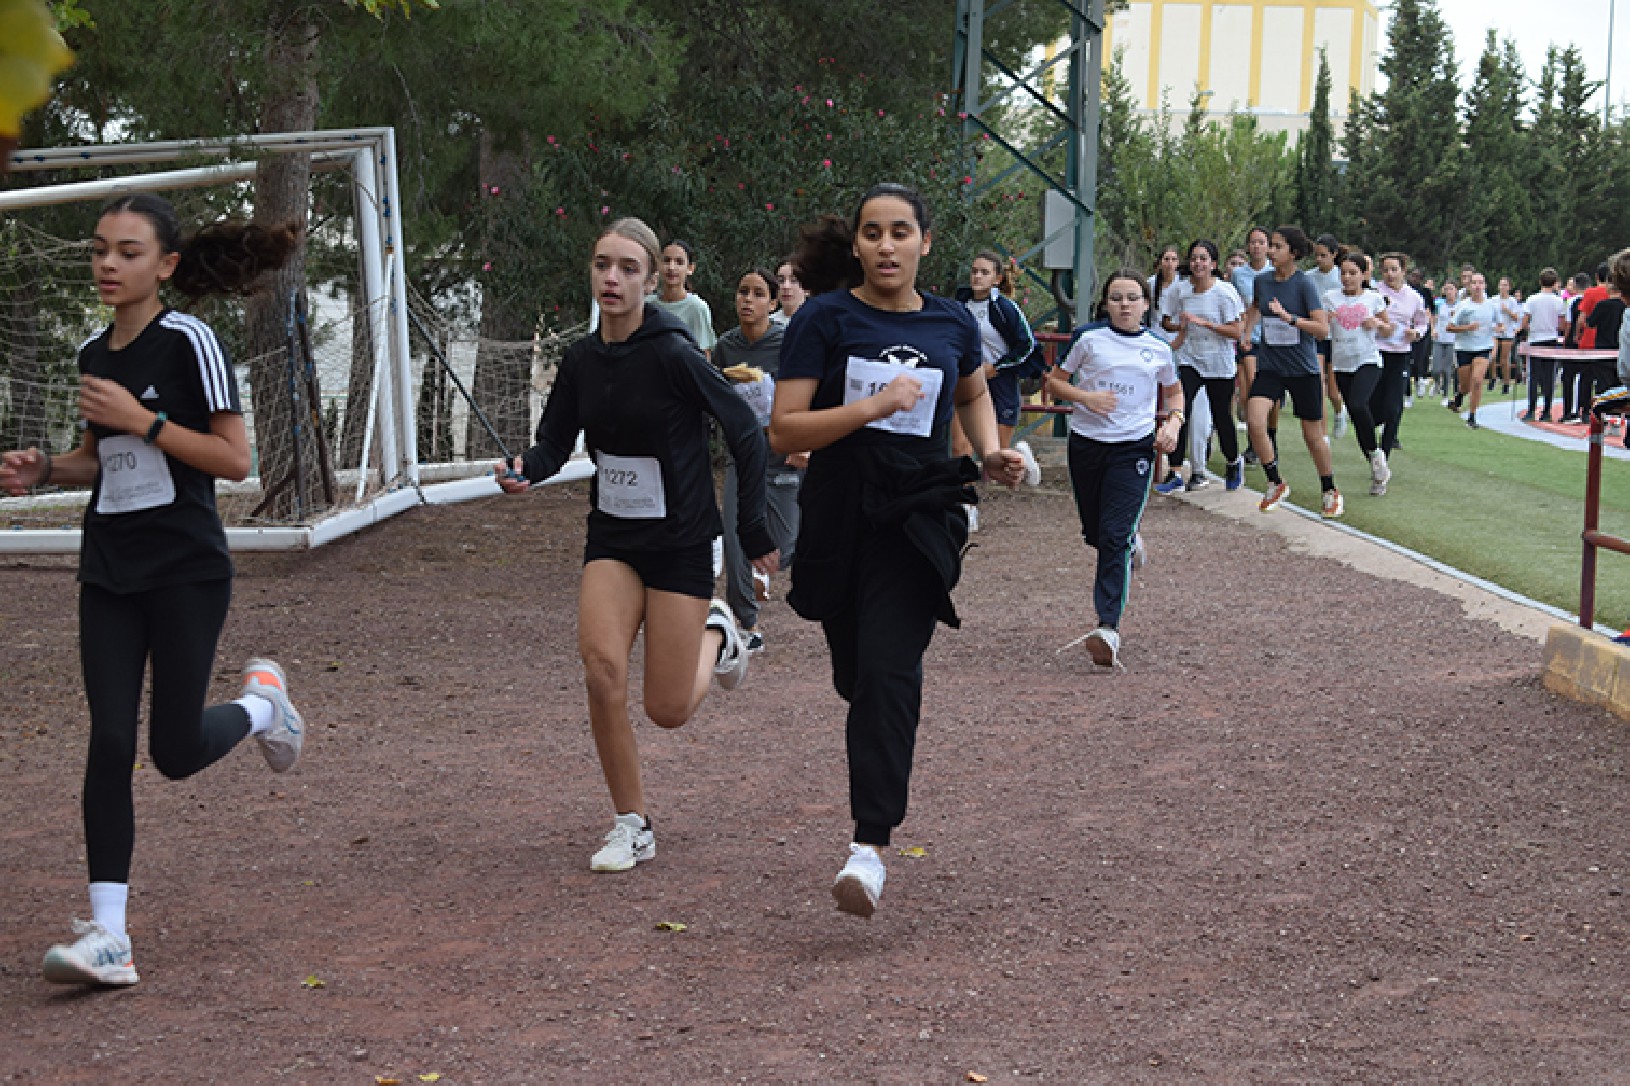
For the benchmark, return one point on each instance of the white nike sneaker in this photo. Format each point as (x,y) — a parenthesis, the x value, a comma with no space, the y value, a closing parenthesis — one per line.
(731,667)
(631,841)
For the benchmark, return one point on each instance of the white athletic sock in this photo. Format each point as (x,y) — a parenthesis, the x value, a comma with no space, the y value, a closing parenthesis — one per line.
(260,713)
(108,901)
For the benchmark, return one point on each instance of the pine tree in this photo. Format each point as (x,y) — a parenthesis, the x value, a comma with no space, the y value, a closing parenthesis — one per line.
(1485,226)
(1315,170)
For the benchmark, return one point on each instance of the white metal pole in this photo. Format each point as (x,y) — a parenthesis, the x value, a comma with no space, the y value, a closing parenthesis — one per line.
(190,178)
(373,294)
(395,244)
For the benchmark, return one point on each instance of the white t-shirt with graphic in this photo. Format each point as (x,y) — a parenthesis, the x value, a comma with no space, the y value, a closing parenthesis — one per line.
(1351,344)
(1132,365)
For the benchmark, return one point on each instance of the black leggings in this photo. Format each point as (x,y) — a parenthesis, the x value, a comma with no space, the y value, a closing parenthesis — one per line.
(877,644)
(177,627)
(1220,391)
(1357,392)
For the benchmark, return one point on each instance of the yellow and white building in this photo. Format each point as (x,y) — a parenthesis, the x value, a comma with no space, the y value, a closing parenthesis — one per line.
(1245,56)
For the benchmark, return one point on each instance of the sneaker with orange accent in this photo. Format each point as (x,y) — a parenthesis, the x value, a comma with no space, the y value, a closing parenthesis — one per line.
(281,743)
(96,956)
(1332,505)
(1276,493)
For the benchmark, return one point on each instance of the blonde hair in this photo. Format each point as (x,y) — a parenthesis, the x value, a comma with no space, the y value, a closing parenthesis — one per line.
(636,231)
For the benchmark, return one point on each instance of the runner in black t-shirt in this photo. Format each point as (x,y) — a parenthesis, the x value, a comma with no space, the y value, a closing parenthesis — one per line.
(871,371)
(162,423)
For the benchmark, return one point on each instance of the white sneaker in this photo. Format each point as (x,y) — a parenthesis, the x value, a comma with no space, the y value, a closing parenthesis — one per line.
(1104,646)
(973,518)
(97,956)
(1140,555)
(1032,470)
(1380,472)
(860,883)
(282,743)
(731,667)
(1340,429)
(630,842)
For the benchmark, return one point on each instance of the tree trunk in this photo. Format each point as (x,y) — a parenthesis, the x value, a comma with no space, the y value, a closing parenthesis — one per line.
(283,437)
(503,374)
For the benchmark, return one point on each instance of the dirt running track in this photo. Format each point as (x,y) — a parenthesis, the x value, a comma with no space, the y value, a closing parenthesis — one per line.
(1322,829)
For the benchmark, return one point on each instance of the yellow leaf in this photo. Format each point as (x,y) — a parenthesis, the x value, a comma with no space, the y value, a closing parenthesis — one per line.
(915,852)
(671,925)
(431,1077)
(313,982)
(386,1080)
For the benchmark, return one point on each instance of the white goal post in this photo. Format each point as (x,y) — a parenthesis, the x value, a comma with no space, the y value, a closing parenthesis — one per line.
(388,477)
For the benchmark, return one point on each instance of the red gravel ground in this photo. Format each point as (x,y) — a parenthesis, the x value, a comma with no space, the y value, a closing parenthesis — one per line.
(1321,829)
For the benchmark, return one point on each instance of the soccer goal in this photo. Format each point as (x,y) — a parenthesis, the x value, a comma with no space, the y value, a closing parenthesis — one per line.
(366,376)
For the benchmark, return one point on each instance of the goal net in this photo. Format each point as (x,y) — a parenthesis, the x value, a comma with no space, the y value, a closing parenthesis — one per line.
(369,402)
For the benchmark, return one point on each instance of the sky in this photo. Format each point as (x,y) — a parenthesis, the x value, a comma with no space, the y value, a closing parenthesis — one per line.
(1534,24)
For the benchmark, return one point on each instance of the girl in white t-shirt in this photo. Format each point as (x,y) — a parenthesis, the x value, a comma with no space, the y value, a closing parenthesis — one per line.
(1326,276)
(1205,314)
(1116,374)
(1357,315)
(1508,318)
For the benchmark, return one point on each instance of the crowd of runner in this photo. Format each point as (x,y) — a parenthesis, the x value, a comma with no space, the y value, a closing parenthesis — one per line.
(859,414)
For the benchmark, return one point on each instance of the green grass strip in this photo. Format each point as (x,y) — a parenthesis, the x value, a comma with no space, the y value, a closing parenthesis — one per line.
(1501,507)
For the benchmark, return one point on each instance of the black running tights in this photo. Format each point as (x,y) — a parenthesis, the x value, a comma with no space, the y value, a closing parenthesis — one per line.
(177,627)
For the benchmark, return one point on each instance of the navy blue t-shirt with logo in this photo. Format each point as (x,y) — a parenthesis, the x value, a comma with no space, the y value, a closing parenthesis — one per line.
(151,521)
(854,349)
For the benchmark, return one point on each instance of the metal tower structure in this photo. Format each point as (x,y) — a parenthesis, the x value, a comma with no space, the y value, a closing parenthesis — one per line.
(1029,115)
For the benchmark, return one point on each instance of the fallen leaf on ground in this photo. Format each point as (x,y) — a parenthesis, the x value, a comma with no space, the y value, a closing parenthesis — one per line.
(916,852)
(386,1080)
(671,925)
(313,982)
(975,1076)
(431,1077)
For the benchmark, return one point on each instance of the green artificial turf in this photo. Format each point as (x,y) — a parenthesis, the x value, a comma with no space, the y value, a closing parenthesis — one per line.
(1501,507)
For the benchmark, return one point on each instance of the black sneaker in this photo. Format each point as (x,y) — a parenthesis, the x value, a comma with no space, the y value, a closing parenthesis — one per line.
(1471,420)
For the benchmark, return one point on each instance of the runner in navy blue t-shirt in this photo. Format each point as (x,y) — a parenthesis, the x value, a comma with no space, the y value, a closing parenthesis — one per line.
(871,371)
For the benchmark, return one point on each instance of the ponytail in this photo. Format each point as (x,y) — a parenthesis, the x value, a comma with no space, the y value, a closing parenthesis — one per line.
(824,257)
(225,257)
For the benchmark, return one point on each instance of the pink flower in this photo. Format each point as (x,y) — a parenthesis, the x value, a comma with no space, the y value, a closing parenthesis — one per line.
(880,113)
(798,88)
(805,102)
(769,207)
(967,180)
(676,169)
(494,190)
(487,266)
(741,184)
(829,135)
(826,163)
(961,116)
(561,212)
(829,103)
(605,209)
(551,140)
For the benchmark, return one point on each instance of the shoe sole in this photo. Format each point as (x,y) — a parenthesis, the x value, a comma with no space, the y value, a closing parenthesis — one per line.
(60,969)
(273,753)
(1102,653)
(850,894)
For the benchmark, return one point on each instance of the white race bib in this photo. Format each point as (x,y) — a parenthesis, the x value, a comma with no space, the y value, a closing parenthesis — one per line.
(760,396)
(135,475)
(630,487)
(1279,333)
(867,376)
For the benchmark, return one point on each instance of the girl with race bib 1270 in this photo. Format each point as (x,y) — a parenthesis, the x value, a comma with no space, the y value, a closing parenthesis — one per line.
(162,422)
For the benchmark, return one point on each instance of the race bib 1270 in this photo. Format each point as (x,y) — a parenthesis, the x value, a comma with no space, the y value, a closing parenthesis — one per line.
(135,475)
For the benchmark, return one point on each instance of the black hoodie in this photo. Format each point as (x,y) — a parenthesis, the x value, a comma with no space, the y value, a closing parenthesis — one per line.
(650,396)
